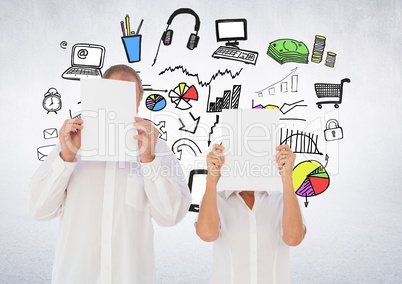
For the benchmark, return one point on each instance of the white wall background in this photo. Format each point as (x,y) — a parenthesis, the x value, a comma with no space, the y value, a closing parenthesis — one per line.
(354,229)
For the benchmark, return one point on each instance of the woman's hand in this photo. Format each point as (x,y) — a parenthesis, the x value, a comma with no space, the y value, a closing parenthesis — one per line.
(215,160)
(285,158)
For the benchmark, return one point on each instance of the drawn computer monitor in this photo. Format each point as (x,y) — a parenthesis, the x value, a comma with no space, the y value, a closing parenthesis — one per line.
(231,30)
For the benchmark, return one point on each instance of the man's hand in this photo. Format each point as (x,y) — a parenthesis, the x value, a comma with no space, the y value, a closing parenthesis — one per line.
(147,137)
(70,138)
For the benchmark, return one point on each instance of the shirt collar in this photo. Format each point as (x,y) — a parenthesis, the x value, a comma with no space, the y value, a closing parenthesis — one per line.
(228,193)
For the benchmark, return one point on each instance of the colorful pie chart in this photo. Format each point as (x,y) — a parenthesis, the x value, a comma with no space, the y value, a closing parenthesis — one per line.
(155,102)
(310,178)
(182,95)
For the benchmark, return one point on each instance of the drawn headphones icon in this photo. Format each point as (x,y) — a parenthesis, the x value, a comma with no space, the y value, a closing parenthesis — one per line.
(168,33)
(193,39)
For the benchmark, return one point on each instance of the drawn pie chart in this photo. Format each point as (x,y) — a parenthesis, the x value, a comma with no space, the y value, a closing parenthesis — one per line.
(182,95)
(310,178)
(155,102)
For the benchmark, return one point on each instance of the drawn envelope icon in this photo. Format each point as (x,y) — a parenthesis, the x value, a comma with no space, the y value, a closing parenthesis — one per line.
(44,151)
(50,133)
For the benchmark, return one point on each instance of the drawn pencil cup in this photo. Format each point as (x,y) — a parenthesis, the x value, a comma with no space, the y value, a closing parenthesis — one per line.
(132,46)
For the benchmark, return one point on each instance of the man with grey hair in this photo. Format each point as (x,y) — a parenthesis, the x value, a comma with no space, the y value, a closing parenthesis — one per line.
(105,210)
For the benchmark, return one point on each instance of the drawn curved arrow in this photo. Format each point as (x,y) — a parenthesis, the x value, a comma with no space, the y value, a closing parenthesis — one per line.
(178,145)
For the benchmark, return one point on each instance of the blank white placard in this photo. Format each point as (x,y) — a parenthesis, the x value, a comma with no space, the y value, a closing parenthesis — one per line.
(250,138)
(108,111)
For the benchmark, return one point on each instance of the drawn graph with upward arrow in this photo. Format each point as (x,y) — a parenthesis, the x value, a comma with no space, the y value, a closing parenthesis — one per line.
(282,85)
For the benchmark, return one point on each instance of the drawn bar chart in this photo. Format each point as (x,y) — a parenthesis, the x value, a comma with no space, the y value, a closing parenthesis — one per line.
(229,100)
(289,82)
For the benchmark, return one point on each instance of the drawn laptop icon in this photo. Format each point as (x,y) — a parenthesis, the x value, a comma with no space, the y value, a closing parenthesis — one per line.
(86,61)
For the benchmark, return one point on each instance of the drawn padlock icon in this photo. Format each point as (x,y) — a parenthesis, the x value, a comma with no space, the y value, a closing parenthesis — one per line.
(333,130)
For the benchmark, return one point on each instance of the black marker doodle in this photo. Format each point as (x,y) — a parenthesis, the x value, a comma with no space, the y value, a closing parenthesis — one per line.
(161,128)
(310,179)
(182,95)
(148,88)
(155,102)
(52,101)
(282,85)
(196,120)
(292,118)
(333,131)
(229,100)
(50,133)
(212,129)
(167,35)
(74,116)
(131,40)
(318,49)
(288,50)
(285,108)
(299,141)
(86,61)
(333,91)
(196,196)
(63,44)
(260,106)
(44,151)
(178,145)
(201,83)
(232,30)
(318,52)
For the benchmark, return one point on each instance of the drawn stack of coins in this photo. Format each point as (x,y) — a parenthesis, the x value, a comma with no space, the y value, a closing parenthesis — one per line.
(330,60)
(318,49)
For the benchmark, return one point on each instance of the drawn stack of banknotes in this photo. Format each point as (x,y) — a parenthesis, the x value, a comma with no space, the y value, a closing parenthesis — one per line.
(288,50)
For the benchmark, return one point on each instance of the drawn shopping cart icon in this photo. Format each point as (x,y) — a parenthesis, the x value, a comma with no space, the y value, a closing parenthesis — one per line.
(330,93)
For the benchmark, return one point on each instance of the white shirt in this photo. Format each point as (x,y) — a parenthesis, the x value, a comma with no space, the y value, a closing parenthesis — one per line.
(250,249)
(106,211)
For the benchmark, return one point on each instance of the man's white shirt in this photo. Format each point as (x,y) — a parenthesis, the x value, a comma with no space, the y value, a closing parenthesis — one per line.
(106,211)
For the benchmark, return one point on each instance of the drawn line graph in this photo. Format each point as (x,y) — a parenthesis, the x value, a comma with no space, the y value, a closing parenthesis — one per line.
(299,141)
(201,83)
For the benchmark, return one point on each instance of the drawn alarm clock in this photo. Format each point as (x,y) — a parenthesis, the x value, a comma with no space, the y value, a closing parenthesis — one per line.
(52,101)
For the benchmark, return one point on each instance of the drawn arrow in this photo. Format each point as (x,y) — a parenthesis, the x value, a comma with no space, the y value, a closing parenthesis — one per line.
(326,160)
(306,202)
(178,145)
(183,127)
(160,126)
(212,129)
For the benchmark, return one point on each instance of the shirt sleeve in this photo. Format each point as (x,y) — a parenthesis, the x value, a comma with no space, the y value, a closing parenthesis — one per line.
(48,185)
(166,187)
